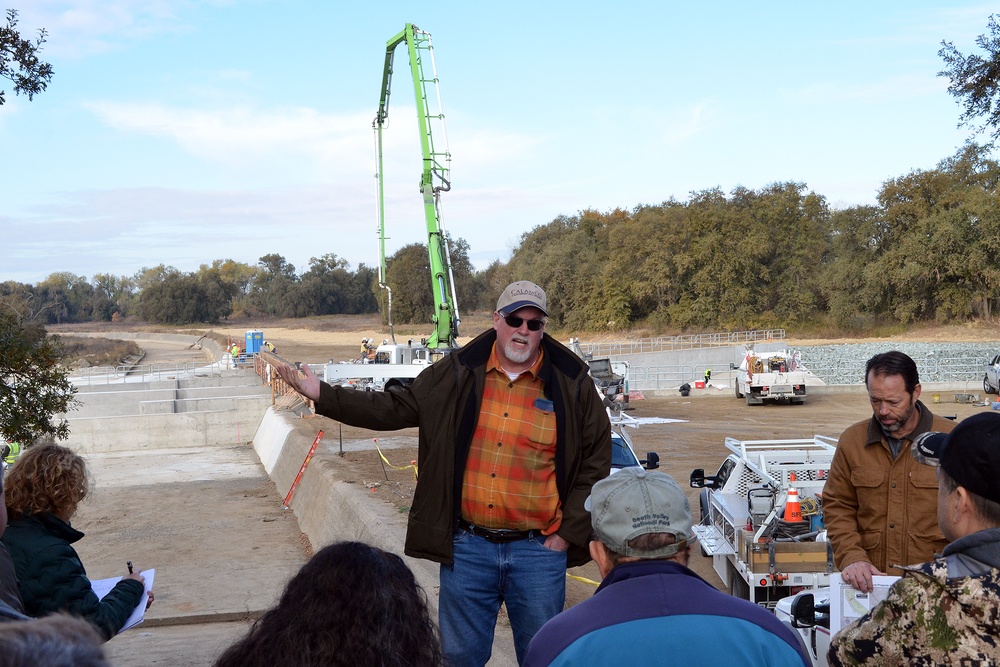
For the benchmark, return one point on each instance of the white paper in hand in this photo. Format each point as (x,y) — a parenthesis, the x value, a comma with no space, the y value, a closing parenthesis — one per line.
(103,586)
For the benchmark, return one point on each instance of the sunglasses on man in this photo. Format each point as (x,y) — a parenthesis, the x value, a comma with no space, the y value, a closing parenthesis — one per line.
(515,322)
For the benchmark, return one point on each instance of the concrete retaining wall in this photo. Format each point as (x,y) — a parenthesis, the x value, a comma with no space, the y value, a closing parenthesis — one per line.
(236,424)
(186,412)
(329,509)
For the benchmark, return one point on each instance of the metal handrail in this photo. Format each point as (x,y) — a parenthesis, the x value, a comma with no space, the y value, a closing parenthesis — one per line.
(683,342)
(97,375)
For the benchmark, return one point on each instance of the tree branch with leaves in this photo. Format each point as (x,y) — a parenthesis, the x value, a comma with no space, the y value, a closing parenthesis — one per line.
(19,61)
(975,80)
(34,387)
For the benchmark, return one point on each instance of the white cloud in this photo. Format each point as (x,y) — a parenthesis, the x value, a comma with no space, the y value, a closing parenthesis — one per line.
(79,28)
(238,135)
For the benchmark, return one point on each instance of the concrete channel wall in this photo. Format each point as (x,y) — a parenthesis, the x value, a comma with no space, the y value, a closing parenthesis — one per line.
(329,509)
(668,369)
(180,412)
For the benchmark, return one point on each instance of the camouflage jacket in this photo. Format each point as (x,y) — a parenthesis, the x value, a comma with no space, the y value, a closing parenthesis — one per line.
(927,619)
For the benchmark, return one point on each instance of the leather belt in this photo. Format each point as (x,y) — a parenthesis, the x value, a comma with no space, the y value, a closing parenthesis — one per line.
(498,536)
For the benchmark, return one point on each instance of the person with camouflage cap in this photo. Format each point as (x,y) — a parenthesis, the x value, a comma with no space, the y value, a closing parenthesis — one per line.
(947,611)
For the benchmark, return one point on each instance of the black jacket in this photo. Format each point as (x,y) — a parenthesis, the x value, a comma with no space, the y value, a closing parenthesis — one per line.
(444,401)
(51,577)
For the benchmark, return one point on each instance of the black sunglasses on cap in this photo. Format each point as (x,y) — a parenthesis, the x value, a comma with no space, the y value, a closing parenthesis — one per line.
(515,322)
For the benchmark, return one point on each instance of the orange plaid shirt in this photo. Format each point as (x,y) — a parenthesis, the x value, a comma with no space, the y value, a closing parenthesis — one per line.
(510,473)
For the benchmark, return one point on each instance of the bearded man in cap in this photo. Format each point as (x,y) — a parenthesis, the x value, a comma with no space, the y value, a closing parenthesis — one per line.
(947,611)
(650,608)
(512,436)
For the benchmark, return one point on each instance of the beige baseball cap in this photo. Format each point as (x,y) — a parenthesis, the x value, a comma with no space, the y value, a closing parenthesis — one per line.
(519,295)
(634,502)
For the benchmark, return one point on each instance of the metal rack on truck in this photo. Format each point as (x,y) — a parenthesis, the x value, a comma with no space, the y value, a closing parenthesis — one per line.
(761,557)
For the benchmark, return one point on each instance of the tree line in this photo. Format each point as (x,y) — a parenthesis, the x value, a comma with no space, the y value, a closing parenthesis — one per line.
(928,251)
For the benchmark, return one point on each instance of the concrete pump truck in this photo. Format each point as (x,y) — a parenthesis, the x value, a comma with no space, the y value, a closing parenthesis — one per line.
(399,363)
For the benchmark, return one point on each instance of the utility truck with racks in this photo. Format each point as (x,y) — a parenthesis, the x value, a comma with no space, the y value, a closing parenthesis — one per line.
(759,555)
(771,375)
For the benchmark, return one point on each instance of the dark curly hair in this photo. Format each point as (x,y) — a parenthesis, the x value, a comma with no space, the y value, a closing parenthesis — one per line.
(351,604)
(46,478)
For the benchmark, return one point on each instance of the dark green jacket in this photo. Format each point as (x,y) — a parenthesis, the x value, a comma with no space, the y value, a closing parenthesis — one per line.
(51,577)
(444,401)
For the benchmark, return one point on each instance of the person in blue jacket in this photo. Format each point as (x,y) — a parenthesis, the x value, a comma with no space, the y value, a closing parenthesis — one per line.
(43,490)
(650,608)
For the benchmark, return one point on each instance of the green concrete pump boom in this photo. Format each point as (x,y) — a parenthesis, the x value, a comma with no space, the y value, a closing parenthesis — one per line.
(434,179)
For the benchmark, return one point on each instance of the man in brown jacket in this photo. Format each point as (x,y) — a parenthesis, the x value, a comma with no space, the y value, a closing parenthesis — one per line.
(880,507)
(512,436)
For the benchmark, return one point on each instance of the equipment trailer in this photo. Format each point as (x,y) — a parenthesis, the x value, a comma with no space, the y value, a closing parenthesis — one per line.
(761,557)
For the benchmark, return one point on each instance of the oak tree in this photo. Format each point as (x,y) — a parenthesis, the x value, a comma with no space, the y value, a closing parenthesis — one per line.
(19,61)
(34,388)
(975,79)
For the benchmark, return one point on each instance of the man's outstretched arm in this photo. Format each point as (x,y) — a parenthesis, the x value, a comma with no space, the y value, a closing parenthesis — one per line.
(301,379)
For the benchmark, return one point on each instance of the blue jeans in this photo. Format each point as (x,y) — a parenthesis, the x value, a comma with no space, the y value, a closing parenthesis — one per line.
(526,576)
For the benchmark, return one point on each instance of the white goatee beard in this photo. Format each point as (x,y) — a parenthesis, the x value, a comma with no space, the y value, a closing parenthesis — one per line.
(516,354)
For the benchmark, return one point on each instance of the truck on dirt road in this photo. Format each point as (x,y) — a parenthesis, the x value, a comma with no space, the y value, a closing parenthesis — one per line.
(771,375)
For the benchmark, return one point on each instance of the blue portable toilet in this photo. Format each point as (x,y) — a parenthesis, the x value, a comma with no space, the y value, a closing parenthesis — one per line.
(255,341)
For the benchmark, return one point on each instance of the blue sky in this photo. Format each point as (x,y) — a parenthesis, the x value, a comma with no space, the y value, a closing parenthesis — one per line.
(182,131)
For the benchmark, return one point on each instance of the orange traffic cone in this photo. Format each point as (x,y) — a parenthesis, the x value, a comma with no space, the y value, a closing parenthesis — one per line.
(793,508)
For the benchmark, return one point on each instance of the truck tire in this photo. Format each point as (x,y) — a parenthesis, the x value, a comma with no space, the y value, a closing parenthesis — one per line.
(737,385)
(738,588)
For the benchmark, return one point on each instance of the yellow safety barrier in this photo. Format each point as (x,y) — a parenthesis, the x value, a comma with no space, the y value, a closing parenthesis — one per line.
(413,464)
(583,579)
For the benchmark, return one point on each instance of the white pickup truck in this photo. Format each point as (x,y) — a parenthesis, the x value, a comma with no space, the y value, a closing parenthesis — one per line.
(761,557)
(622,451)
(771,375)
(991,381)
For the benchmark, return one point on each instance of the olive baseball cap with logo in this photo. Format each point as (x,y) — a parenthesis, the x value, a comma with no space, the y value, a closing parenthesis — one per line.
(520,295)
(970,454)
(634,502)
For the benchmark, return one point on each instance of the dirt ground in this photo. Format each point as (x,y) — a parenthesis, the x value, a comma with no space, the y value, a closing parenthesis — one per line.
(695,442)
(338,337)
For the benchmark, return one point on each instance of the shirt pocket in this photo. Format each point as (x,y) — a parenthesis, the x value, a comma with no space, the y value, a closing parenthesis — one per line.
(870,486)
(541,430)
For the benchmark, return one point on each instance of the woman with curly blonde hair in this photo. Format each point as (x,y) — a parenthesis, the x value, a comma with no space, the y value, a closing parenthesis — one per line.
(43,490)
